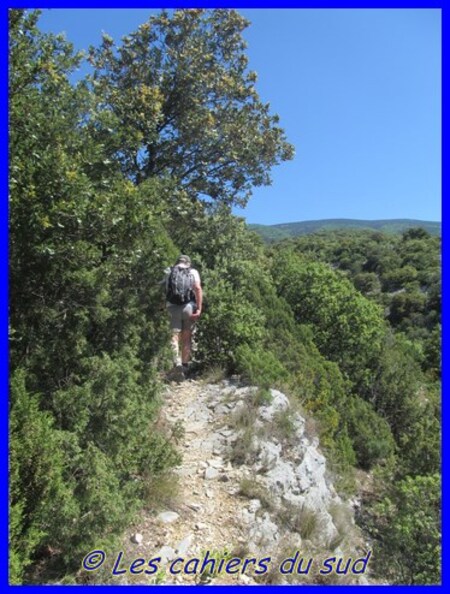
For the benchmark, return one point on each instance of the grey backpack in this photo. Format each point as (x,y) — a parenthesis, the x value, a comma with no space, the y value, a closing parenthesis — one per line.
(180,285)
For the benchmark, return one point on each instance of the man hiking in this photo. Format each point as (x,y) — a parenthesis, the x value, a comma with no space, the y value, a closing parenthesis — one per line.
(184,298)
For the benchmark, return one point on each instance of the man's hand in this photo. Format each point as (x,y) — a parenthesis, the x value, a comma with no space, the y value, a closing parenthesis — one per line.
(196,315)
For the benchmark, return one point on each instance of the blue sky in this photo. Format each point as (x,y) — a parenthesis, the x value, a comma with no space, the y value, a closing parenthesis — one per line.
(358,92)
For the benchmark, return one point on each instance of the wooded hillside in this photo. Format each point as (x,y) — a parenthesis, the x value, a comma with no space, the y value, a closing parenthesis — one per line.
(286,230)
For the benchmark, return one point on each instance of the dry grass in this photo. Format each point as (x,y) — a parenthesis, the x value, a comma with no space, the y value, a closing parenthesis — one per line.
(252,490)
(243,450)
(162,491)
(261,397)
(283,425)
(301,519)
(214,374)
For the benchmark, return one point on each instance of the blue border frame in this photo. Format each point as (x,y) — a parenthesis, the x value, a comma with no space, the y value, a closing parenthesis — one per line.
(226,4)
(4,238)
(445,281)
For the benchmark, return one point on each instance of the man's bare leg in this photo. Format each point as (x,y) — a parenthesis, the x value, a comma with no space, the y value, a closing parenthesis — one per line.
(186,342)
(175,343)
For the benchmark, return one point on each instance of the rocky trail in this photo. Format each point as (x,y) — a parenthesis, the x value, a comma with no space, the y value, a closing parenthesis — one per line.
(252,490)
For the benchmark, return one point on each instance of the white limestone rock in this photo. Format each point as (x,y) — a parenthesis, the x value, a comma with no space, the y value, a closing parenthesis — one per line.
(168,517)
(183,547)
(211,473)
(166,553)
(279,403)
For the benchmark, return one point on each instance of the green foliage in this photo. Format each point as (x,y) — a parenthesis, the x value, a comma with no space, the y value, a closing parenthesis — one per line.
(406,267)
(396,387)
(367,283)
(228,321)
(347,327)
(87,249)
(102,505)
(371,436)
(234,276)
(177,98)
(410,404)
(162,491)
(42,506)
(432,352)
(406,524)
(113,410)
(407,305)
(346,449)
(81,482)
(259,366)
(262,397)
(397,421)
(420,443)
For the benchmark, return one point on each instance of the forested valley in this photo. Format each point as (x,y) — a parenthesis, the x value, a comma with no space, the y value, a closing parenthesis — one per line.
(110,179)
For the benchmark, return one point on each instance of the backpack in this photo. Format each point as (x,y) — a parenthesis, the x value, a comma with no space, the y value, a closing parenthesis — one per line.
(179,286)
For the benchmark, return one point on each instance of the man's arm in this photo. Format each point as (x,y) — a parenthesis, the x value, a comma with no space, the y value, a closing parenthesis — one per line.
(198,292)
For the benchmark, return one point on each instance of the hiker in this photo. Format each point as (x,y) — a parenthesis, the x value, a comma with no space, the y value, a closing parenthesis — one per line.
(184,303)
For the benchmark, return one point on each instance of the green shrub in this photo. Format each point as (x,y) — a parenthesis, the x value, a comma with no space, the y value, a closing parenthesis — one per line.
(407,531)
(371,436)
(348,328)
(258,366)
(70,488)
(42,502)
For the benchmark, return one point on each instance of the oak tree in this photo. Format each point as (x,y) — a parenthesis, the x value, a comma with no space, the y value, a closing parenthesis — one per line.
(177,99)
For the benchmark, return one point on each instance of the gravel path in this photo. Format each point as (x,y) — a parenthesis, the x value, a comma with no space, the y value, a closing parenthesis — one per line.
(202,516)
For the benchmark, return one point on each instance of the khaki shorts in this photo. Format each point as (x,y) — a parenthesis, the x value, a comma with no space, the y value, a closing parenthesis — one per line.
(180,316)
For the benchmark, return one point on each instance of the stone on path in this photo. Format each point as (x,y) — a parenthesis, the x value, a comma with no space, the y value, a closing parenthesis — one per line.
(166,553)
(216,463)
(211,473)
(168,517)
(183,547)
(195,506)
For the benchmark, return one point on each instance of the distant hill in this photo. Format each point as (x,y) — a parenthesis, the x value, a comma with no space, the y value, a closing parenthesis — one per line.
(281,231)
